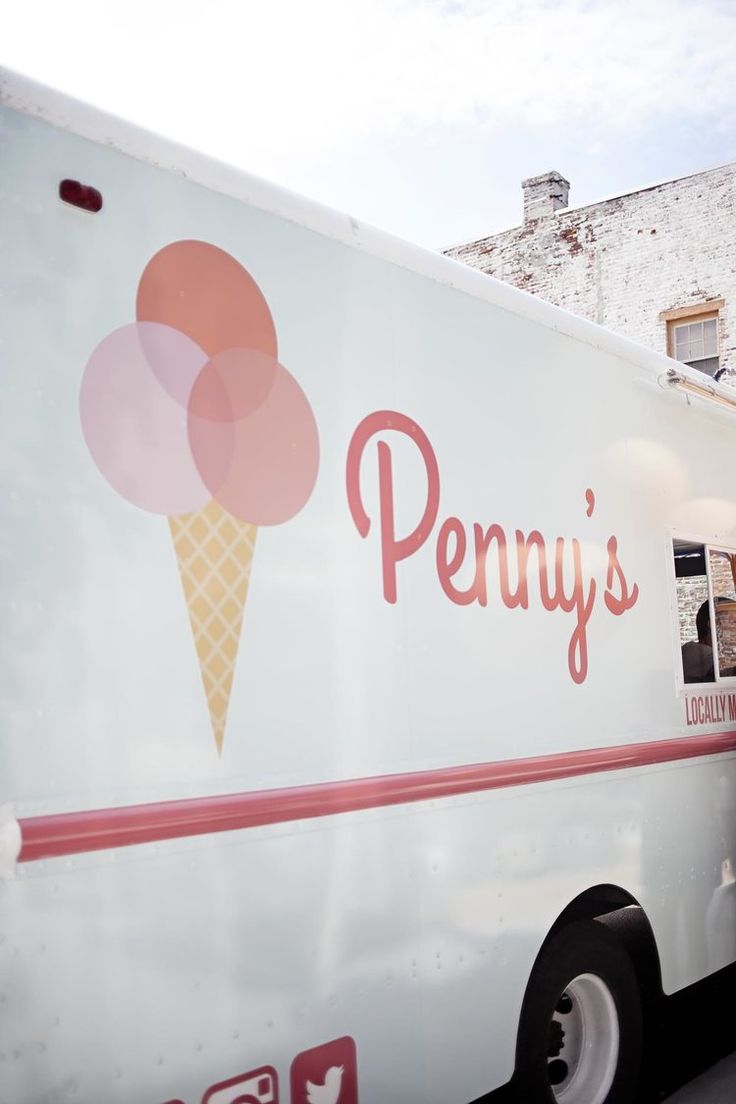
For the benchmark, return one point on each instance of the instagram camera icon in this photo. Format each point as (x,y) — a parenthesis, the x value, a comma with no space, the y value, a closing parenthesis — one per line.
(260,1086)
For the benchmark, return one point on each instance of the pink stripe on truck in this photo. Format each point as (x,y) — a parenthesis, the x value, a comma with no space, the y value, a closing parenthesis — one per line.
(46,837)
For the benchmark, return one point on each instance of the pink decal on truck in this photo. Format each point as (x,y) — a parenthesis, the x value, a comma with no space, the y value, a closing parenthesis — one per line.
(189,403)
(259,1086)
(326,1074)
(187,412)
(454,548)
(393,550)
(73,833)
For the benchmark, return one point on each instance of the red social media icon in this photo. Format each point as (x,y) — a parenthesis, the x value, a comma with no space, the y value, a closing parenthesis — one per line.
(326,1074)
(259,1086)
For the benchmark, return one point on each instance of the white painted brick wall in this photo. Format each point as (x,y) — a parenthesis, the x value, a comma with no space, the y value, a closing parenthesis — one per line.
(623,261)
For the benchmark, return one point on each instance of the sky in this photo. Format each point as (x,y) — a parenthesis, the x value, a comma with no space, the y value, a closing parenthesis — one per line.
(421,117)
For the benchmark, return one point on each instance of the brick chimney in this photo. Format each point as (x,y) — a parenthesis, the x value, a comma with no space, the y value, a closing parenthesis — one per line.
(543,195)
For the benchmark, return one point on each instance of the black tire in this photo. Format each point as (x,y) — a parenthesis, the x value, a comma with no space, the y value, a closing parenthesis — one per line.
(585,960)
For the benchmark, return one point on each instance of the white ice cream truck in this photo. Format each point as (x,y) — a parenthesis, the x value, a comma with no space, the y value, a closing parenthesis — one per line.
(347,749)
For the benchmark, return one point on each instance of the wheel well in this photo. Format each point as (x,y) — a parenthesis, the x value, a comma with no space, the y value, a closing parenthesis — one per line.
(626,920)
(593,903)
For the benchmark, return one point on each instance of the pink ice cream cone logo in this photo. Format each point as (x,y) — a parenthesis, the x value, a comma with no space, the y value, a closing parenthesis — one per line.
(188,413)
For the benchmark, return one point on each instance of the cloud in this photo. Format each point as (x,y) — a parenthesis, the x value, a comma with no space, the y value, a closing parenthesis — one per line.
(267,85)
(302,75)
(539,62)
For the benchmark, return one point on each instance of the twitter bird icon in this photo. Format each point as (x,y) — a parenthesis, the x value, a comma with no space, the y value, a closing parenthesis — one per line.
(326,1074)
(329,1092)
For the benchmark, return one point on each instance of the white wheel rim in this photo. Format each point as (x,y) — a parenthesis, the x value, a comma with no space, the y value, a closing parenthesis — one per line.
(587,1015)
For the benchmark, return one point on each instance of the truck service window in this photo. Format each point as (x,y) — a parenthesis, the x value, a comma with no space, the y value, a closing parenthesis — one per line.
(705,580)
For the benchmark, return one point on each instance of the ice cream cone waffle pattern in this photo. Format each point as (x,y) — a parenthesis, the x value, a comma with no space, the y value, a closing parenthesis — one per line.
(188,413)
(215,552)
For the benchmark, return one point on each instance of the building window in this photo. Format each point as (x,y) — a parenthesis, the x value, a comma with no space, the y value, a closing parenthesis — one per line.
(692,335)
(696,344)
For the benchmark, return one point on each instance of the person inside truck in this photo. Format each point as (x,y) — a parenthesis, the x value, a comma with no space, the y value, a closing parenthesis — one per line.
(697,656)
